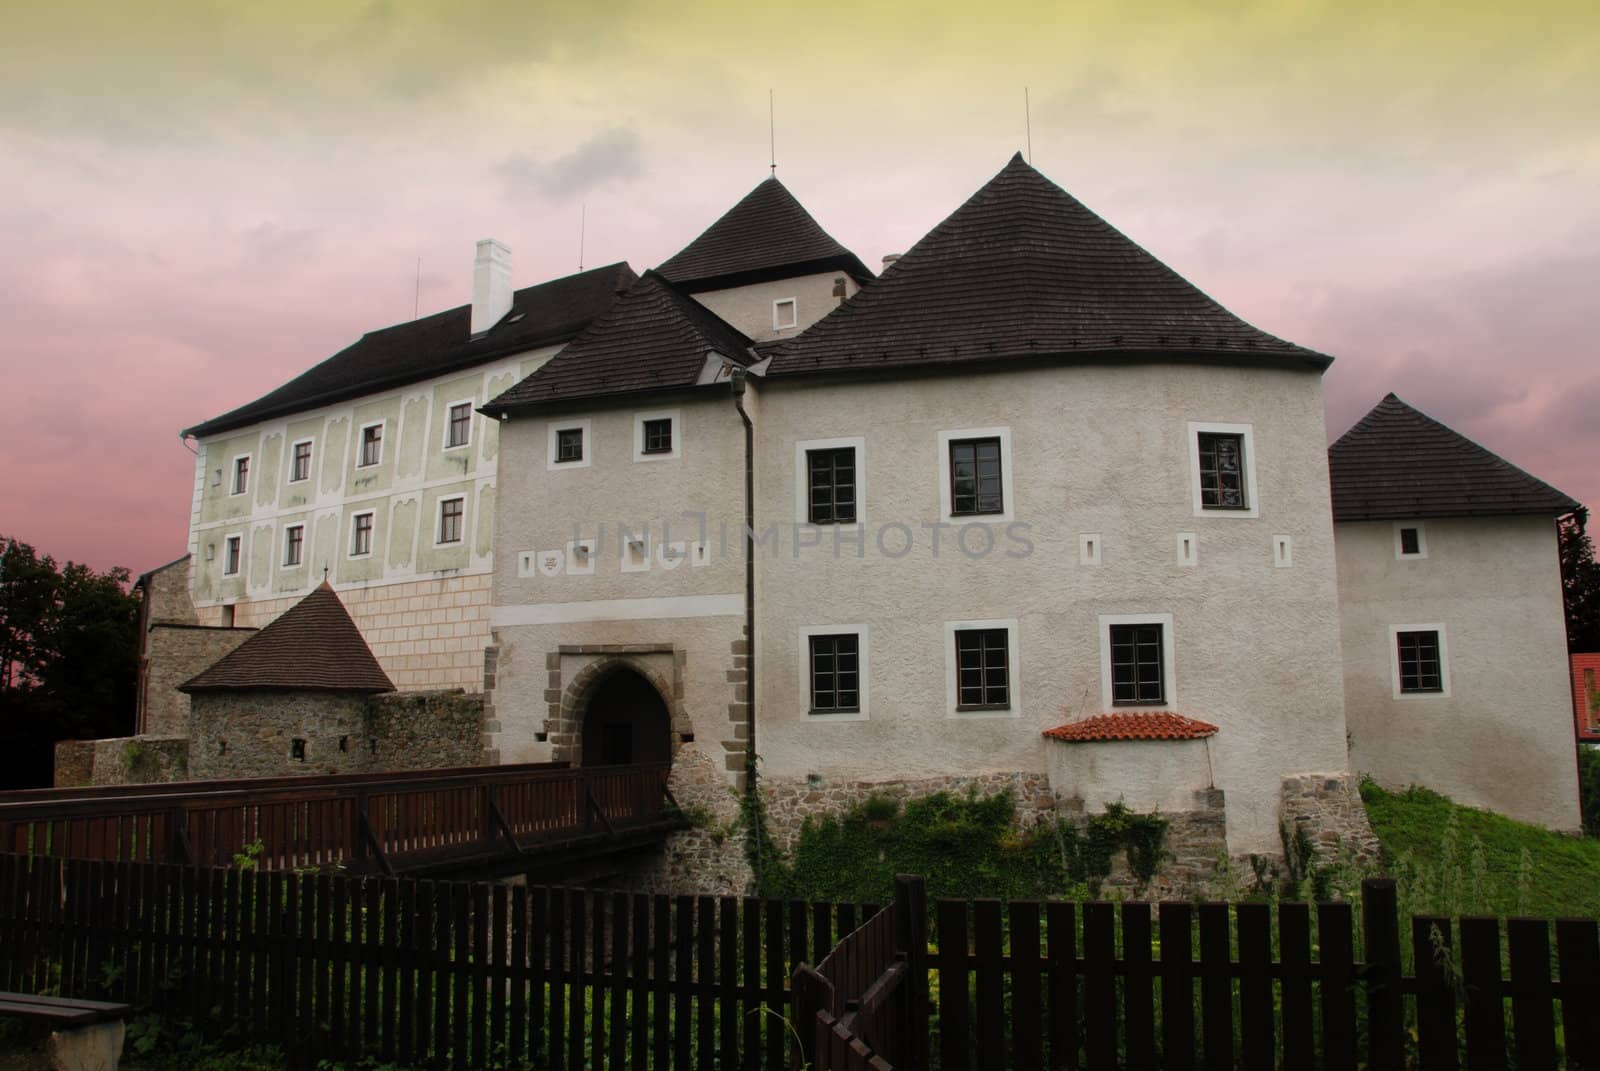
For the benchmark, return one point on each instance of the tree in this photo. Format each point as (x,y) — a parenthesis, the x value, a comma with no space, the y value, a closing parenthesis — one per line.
(68,658)
(1580,582)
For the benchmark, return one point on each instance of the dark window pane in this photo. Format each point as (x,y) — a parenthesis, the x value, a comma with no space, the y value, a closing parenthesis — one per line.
(371,445)
(834,682)
(658,436)
(460,425)
(975,477)
(982,668)
(1137,667)
(1419,662)
(302,462)
(569,444)
(1410,541)
(1222,471)
(832,485)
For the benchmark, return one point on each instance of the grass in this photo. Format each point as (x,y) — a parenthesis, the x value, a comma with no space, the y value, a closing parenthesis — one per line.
(1451,859)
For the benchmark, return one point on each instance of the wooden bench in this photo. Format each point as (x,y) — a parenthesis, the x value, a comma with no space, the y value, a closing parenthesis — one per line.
(85,1035)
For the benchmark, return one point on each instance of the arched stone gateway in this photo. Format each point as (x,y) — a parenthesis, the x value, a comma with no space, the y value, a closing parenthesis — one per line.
(625,720)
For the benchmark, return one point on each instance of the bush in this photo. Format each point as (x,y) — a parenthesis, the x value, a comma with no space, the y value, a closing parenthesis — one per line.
(1589,788)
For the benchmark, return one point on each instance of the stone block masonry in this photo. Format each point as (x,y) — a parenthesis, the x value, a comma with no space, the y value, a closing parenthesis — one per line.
(1328,808)
(176,653)
(427,634)
(128,760)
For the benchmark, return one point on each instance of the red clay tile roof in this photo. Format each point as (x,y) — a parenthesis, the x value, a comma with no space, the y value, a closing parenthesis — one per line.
(1134,725)
(314,645)
(1397,464)
(767,235)
(1023,270)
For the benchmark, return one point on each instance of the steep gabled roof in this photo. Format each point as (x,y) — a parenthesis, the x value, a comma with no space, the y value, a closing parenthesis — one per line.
(435,345)
(313,645)
(767,235)
(1397,464)
(1024,270)
(1133,725)
(653,339)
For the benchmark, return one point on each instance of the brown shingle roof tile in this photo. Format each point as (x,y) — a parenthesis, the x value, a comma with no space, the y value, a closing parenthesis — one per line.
(313,644)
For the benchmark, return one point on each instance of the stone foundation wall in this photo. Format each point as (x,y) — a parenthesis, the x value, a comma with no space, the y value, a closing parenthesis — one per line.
(174,654)
(126,760)
(1328,807)
(709,858)
(1193,851)
(425,730)
(252,733)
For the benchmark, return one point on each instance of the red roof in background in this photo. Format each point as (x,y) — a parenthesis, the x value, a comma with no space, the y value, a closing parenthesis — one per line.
(1583,713)
(1134,725)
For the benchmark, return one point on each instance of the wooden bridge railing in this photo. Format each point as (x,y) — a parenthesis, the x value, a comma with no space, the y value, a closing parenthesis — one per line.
(363,821)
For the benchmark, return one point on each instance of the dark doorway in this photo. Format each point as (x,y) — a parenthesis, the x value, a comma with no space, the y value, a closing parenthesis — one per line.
(626,722)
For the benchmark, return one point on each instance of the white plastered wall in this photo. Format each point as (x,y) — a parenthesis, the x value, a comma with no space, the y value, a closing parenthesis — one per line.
(749,308)
(1502,737)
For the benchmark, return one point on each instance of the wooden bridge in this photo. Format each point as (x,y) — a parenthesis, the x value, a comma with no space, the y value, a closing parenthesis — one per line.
(479,820)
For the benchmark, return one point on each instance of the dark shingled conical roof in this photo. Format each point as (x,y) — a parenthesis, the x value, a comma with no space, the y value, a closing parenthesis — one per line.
(313,645)
(767,235)
(652,339)
(1021,270)
(1399,464)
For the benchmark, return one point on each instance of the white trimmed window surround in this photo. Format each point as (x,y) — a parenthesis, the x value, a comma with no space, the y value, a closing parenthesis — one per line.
(672,453)
(445,519)
(634,551)
(1169,679)
(233,554)
(453,427)
(369,445)
(1393,637)
(310,455)
(553,447)
(580,557)
(1246,434)
(239,480)
(362,535)
(294,542)
(1418,542)
(1089,548)
(802,475)
(1188,548)
(952,684)
(862,673)
(785,314)
(1007,499)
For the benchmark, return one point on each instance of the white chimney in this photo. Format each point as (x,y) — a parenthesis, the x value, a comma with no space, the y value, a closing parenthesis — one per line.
(888,259)
(491,285)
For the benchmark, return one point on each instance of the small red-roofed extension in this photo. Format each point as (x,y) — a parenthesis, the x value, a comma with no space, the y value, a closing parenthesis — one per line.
(1133,725)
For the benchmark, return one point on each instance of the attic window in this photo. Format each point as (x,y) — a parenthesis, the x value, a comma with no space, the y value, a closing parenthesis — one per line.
(1410,541)
(784,314)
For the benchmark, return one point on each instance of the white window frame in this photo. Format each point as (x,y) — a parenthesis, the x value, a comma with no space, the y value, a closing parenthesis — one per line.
(227,540)
(1187,547)
(234,490)
(1422,541)
(674,415)
(581,564)
(1169,661)
(862,675)
(952,691)
(286,563)
(361,443)
(1006,468)
(794,314)
(438,519)
(311,460)
(372,535)
(1282,552)
(1252,494)
(444,440)
(1090,547)
(1394,661)
(802,477)
(557,426)
(625,556)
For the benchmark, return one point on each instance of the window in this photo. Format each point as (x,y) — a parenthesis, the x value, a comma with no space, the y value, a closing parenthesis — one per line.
(300,463)
(361,535)
(569,444)
(835,674)
(1222,471)
(241,475)
(975,484)
(1410,540)
(451,511)
(297,749)
(831,486)
(1137,665)
(785,313)
(1421,669)
(231,550)
(371,446)
(658,436)
(294,538)
(983,669)
(458,425)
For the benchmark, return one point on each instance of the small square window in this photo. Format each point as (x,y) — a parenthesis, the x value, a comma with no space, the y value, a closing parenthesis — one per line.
(658,436)
(1137,665)
(1420,665)
(1222,471)
(976,486)
(241,475)
(1410,540)
(300,466)
(785,314)
(371,446)
(458,427)
(451,511)
(361,535)
(231,554)
(832,486)
(293,543)
(569,444)
(297,749)
(983,670)
(836,674)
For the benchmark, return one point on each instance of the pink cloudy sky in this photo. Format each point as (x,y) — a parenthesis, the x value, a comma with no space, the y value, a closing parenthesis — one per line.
(199,200)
